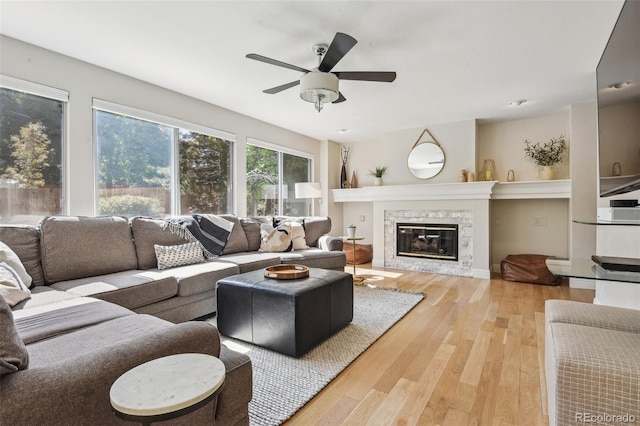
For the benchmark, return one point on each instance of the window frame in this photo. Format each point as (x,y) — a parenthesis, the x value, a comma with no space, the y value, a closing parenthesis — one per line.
(176,124)
(289,151)
(60,95)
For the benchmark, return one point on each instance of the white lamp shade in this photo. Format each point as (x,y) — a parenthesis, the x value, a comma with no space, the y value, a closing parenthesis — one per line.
(319,83)
(308,190)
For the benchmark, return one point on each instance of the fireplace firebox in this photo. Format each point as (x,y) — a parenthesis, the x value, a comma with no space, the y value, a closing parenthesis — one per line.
(435,241)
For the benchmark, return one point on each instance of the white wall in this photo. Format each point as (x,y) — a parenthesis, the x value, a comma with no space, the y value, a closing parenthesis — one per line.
(84,82)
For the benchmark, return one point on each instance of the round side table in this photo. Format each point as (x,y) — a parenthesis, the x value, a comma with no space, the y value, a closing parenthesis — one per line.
(356,278)
(167,387)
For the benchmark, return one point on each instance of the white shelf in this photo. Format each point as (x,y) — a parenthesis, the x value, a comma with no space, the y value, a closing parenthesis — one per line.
(457,191)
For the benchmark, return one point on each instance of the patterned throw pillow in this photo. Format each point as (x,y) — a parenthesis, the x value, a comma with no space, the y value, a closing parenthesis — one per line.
(183,254)
(275,239)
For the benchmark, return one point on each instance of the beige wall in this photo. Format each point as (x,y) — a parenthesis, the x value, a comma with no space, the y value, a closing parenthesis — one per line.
(392,149)
(503,142)
(84,82)
(529,227)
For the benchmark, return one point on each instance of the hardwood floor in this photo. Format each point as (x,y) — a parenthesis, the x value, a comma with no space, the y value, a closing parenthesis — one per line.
(471,353)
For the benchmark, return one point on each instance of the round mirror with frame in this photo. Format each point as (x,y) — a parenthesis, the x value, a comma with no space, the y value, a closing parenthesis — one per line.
(426,158)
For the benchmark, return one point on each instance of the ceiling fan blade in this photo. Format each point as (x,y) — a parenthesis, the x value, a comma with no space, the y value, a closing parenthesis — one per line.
(341,98)
(279,89)
(266,60)
(341,44)
(383,76)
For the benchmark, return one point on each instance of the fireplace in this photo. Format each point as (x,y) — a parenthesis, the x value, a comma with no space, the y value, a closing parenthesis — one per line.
(431,241)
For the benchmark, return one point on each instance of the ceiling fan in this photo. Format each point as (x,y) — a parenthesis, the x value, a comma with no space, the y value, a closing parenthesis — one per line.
(320,85)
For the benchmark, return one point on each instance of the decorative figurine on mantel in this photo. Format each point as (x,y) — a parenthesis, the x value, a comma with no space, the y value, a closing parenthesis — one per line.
(345,153)
(547,154)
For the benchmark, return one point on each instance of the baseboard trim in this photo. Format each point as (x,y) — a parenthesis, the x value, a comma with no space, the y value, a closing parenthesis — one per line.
(377,263)
(582,283)
(484,274)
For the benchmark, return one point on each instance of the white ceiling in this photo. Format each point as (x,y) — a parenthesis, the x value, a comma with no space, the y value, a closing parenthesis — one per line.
(455,60)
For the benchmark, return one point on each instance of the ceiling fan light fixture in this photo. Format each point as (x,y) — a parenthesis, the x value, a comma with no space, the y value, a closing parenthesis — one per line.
(319,88)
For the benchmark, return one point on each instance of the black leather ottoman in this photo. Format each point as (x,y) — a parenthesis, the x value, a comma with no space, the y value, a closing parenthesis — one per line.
(287,316)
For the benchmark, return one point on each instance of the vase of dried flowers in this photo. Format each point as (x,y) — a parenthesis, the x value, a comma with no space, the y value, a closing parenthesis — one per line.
(546,154)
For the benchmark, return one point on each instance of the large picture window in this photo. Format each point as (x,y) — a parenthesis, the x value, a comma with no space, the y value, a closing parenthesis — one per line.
(271,178)
(31,151)
(159,167)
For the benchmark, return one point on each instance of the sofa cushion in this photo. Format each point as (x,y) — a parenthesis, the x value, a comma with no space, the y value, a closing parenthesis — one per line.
(316,258)
(43,295)
(198,278)
(237,240)
(99,336)
(54,319)
(251,228)
(130,289)
(24,240)
(182,254)
(146,233)
(601,316)
(13,352)
(250,261)
(78,247)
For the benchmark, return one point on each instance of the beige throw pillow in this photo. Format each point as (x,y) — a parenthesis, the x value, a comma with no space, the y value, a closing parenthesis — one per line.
(12,289)
(10,258)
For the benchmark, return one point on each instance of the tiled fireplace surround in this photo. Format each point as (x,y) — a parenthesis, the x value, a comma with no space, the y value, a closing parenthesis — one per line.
(463,218)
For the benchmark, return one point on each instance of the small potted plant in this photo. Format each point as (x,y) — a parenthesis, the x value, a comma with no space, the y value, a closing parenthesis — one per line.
(378,173)
(546,154)
(351,231)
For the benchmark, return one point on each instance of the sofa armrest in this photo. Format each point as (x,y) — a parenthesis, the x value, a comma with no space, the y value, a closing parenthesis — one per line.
(76,390)
(329,243)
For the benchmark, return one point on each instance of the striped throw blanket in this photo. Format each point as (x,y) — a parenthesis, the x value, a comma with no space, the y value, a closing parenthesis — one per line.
(211,231)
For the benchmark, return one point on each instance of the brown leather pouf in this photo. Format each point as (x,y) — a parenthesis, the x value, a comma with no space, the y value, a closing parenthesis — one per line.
(527,268)
(364,253)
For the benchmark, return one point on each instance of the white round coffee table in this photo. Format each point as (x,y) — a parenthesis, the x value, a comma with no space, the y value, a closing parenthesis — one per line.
(167,387)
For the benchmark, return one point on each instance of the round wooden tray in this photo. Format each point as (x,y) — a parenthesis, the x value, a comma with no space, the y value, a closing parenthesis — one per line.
(286,272)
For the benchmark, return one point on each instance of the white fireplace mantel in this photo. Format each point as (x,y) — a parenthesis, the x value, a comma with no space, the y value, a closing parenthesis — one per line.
(474,197)
(457,191)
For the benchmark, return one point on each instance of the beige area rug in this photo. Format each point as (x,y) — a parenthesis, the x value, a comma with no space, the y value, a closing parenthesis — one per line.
(283,384)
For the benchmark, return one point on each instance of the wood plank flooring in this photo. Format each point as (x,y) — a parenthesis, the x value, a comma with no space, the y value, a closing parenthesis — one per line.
(471,353)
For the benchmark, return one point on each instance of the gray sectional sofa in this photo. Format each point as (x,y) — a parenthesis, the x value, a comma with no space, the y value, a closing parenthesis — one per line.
(100,306)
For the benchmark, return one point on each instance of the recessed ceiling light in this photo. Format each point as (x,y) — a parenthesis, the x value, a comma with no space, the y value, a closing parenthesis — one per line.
(620,85)
(518,102)
(342,131)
